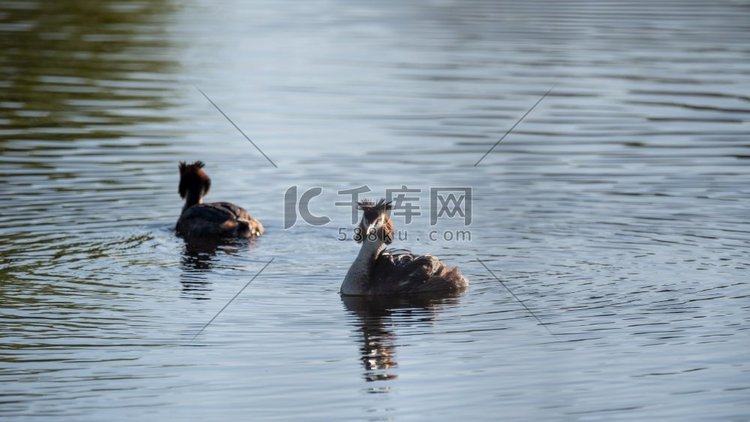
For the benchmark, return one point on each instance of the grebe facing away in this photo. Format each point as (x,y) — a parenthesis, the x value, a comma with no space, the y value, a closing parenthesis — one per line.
(215,219)
(378,272)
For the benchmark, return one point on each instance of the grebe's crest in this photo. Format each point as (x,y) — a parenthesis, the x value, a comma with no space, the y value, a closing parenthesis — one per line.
(192,176)
(376,221)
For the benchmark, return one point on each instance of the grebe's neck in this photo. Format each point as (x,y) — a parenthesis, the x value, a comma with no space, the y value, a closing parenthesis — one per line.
(357,279)
(193,197)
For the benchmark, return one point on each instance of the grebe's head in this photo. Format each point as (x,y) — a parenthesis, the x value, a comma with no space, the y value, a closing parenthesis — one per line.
(376,223)
(193,179)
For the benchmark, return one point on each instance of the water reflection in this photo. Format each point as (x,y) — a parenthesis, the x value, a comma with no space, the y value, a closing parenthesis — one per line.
(82,69)
(199,256)
(197,260)
(377,320)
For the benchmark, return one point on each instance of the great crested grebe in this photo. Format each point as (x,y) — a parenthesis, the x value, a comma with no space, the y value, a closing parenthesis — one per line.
(215,219)
(378,272)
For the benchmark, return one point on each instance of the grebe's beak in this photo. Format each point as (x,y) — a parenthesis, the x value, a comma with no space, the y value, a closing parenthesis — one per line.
(371,229)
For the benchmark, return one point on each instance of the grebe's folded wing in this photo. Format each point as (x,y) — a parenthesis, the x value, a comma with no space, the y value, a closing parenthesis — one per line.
(405,268)
(238,212)
(208,212)
(398,256)
(407,272)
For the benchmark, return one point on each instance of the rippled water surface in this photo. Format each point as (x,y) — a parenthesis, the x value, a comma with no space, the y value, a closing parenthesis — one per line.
(617,211)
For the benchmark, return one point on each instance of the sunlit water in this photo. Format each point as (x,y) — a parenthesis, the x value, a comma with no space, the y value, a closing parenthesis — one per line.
(617,211)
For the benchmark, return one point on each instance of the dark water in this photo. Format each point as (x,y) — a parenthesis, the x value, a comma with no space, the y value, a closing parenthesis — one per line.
(617,211)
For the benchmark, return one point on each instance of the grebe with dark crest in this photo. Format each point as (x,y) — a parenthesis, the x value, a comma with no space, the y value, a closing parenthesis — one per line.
(215,219)
(379,272)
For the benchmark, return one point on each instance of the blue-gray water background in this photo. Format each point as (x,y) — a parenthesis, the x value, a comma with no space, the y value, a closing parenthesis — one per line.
(617,211)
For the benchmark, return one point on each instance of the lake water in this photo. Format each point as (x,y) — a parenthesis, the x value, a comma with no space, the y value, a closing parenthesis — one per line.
(617,211)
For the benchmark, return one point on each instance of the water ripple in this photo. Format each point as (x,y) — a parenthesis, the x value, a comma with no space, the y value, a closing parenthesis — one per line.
(617,211)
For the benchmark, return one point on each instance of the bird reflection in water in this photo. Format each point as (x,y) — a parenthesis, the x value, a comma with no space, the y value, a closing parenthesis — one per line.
(199,257)
(377,320)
